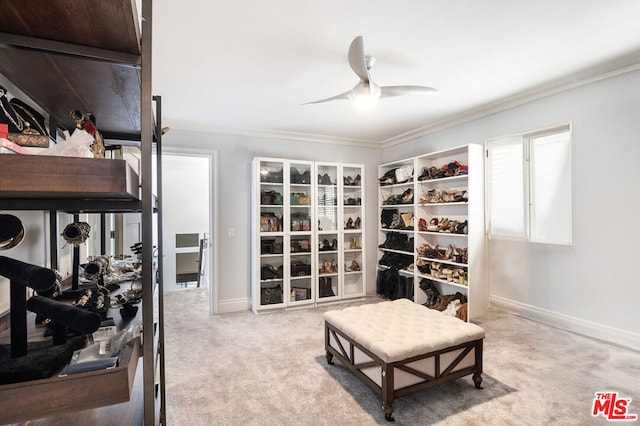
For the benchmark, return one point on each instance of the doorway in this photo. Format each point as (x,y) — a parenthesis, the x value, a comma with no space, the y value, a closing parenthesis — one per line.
(187,210)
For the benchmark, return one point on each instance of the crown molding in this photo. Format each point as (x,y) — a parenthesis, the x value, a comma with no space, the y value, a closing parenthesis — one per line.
(623,64)
(275,134)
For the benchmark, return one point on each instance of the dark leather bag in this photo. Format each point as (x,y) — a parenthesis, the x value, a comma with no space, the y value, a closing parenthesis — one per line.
(271,295)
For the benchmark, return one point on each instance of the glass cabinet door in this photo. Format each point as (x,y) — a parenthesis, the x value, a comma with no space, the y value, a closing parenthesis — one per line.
(328,240)
(352,223)
(271,234)
(300,231)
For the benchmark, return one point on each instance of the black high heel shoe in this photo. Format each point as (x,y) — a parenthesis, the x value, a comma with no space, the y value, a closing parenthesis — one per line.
(356,181)
(349,224)
(356,224)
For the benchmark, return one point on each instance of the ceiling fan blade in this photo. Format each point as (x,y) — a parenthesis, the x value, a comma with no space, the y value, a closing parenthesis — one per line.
(345,95)
(388,91)
(357,59)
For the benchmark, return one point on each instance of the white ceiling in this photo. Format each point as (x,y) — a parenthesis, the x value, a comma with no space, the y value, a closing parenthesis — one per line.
(246,66)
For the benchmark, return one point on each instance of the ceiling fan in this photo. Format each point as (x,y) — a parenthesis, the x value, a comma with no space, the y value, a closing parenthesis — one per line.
(366,92)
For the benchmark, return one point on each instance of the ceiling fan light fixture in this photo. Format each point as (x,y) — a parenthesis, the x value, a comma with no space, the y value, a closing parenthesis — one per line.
(366,95)
(365,101)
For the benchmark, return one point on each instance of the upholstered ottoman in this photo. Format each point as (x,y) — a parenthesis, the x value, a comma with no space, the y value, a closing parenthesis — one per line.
(400,347)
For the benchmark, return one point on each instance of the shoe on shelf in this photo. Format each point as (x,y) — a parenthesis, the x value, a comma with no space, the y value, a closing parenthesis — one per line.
(355,266)
(355,243)
(407,196)
(408,220)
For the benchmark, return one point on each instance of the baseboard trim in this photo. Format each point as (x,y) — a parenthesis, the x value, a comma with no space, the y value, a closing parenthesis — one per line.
(576,325)
(233,305)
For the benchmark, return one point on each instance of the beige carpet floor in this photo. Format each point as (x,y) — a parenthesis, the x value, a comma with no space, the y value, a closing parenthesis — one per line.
(243,369)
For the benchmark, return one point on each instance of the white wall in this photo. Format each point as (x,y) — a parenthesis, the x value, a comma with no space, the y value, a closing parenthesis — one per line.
(591,287)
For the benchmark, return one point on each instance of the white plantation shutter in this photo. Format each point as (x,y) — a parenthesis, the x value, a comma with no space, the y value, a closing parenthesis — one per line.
(551,188)
(529,186)
(506,187)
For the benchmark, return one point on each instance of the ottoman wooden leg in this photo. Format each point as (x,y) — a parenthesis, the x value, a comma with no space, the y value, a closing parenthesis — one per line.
(329,357)
(477,380)
(387,391)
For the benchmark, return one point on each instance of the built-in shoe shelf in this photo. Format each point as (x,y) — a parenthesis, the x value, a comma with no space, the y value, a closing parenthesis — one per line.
(437,201)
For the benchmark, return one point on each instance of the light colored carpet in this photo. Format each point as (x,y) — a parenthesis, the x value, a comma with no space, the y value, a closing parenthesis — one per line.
(243,369)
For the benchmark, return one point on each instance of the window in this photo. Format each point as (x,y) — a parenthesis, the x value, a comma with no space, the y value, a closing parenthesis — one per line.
(529,186)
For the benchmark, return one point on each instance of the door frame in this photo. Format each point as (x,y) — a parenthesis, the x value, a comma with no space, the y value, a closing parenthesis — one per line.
(212,253)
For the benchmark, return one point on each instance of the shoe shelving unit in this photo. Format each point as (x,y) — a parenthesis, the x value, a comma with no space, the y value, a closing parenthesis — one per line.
(434,223)
(307,234)
(62,63)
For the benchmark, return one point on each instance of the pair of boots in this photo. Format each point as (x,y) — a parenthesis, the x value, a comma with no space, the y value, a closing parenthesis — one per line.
(397,241)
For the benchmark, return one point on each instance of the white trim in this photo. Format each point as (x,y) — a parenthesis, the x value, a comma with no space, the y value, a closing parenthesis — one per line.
(274,134)
(576,325)
(233,305)
(213,235)
(212,156)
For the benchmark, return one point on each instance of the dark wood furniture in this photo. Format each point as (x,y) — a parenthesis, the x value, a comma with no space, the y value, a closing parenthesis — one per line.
(94,56)
(387,390)
(399,348)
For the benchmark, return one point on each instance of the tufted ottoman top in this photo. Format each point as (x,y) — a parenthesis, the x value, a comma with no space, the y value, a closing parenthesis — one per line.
(400,329)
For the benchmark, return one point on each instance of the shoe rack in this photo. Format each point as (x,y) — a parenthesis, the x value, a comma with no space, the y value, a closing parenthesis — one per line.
(307,238)
(432,223)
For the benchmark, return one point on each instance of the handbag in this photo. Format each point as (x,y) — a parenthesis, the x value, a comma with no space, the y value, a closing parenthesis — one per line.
(300,269)
(269,222)
(300,222)
(270,198)
(271,295)
(270,272)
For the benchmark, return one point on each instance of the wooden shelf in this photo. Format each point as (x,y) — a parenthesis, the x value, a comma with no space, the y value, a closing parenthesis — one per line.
(44,177)
(60,395)
(54,40)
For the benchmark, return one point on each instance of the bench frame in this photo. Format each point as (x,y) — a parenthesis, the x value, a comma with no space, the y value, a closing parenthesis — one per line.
(387,392)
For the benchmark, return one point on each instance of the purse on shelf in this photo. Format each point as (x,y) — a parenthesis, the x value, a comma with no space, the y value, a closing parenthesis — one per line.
(270,198)
(269,222)
(270,272)
(26,126)
(301,245)
(300,269)
(271,295)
